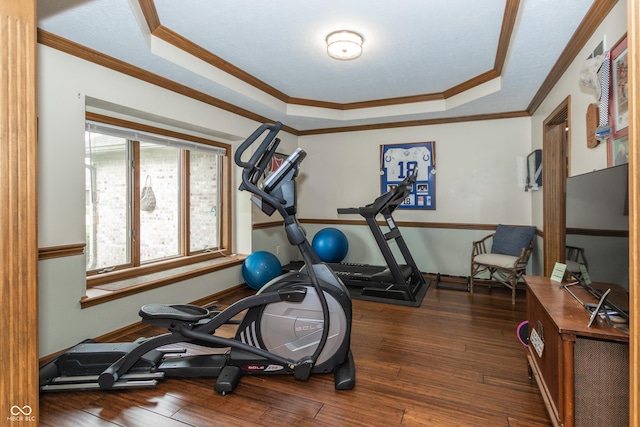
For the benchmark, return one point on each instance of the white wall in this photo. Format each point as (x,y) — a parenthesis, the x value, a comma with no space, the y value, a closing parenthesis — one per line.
(63,83)
(274,239)
(479,180)
(62,323)
(479,171)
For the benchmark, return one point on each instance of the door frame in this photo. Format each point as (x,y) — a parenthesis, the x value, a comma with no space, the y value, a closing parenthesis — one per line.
(555,138)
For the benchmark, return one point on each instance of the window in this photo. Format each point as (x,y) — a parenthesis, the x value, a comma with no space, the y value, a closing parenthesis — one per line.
(107,198)
(154,199)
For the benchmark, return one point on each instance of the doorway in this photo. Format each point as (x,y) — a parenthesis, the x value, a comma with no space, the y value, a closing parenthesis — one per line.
(555,149)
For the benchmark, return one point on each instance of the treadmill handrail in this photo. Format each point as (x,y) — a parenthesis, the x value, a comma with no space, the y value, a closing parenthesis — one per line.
(348,211)
(391,199)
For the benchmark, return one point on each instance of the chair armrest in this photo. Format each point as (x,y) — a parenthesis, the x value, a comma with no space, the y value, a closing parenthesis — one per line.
(525,255)
(480,246)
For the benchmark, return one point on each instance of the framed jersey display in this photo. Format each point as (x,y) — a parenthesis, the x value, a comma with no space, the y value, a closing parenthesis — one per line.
(399,160)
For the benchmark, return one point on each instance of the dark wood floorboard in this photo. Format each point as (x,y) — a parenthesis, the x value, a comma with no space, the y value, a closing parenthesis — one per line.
(453,361)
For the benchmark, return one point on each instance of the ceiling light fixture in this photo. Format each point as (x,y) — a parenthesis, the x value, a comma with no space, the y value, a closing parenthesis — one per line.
(344,45)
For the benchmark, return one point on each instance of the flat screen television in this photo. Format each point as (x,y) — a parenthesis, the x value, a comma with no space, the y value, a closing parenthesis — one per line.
(597,220)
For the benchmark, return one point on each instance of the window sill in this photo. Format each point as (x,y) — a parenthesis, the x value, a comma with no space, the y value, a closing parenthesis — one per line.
(124,288)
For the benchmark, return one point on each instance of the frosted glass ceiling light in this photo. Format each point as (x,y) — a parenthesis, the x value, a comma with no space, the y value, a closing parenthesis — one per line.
(344,45)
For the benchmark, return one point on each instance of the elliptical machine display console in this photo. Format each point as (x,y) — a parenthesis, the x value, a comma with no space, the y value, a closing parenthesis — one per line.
(297,324)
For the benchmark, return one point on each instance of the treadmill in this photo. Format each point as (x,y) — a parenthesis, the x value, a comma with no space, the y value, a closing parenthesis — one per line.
(396,283)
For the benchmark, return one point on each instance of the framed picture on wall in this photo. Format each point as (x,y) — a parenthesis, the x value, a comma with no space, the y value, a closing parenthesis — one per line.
(620,88)
(618,150)
(397,161)
(618,144)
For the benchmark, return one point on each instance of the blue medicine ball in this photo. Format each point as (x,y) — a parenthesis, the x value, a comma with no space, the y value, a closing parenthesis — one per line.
(259,268)
(330,244)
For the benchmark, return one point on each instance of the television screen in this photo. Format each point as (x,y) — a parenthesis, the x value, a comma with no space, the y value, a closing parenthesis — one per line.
(598,222)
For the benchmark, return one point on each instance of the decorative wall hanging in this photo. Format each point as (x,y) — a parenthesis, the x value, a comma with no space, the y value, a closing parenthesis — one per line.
(592,125)
(399,160)
(534,170)
(620,82)
(147,198)
(618,144)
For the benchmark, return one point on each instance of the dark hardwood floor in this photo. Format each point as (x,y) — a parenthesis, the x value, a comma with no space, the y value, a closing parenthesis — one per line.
(453,361)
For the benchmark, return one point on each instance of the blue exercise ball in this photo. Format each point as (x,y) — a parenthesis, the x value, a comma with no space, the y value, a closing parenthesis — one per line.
(259,268)
(330,244)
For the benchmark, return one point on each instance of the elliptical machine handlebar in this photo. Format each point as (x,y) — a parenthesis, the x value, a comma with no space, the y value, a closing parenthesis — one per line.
(257,163)
(273,130)
(277,191)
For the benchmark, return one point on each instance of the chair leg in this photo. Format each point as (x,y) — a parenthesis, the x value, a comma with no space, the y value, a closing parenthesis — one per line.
(475,270)
(471,279)
(514,284)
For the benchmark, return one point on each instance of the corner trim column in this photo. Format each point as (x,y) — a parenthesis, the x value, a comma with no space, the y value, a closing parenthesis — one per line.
(18,212)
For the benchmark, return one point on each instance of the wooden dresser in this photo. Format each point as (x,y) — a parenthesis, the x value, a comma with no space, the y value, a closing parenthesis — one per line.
(582,372)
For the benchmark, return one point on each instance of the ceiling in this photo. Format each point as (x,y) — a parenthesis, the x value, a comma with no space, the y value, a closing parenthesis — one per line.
(267,60)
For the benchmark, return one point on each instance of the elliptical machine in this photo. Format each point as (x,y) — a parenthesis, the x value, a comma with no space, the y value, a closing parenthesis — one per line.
(297,324)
